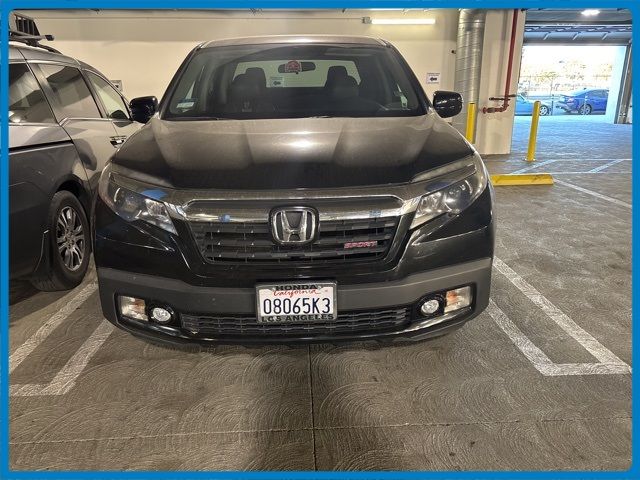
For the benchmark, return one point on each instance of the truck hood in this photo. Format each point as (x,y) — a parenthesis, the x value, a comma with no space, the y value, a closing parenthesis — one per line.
(291,153)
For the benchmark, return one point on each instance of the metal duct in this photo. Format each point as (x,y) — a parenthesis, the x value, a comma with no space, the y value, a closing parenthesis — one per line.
(468,60)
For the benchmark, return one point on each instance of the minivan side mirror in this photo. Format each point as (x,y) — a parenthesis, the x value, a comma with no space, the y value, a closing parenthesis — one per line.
(143,108)
(447,104)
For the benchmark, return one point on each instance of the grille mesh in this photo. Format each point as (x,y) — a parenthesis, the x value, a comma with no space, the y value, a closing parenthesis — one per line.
(348,322)
(252,242)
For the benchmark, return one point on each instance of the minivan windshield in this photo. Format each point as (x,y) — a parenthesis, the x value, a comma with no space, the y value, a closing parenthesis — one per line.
(290,81)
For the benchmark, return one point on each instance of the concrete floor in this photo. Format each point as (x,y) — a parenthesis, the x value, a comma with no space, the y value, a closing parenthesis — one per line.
(539,381)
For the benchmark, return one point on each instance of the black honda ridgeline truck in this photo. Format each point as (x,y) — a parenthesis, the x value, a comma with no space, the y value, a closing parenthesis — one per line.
(294,189)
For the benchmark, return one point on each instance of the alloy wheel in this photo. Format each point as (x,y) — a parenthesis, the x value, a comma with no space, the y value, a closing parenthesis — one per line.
(70,238)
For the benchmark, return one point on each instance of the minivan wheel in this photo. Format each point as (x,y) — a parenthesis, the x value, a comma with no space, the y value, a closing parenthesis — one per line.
(585,109)
(69,245)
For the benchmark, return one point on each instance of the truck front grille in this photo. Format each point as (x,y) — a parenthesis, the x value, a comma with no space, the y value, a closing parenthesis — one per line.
(348,322)
(337,241)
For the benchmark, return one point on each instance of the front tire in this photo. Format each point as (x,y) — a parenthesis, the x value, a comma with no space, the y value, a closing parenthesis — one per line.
(585,109)
(544,110)
(68,246)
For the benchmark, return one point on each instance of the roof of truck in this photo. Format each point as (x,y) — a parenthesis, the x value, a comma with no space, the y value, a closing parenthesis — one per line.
(296,39)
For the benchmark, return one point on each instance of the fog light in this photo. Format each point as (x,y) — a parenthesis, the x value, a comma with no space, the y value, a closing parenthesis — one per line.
(161,315)
(457,299)
(133,308)
(430,307)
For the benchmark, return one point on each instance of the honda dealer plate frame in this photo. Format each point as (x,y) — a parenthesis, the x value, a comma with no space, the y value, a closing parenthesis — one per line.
(296,302)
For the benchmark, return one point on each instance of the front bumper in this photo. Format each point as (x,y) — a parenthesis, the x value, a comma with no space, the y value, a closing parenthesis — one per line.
(188,299)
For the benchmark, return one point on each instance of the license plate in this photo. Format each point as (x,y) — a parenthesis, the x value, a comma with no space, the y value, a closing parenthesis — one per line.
(303,302)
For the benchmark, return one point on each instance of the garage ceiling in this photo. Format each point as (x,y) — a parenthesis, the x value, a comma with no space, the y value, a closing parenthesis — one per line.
(547,27)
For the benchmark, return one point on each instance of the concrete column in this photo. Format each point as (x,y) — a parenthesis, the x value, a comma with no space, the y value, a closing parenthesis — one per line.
(494,130)
(621,63)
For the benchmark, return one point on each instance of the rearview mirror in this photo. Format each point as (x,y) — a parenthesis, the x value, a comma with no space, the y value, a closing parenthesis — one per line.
(143,108)
(447,104)
(296,67)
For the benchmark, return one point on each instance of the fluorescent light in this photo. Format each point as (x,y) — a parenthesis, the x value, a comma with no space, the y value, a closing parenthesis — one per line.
(399,21)
(590,12)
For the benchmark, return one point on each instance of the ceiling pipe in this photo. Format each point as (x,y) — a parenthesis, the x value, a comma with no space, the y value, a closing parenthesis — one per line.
(507,87)
(468,51)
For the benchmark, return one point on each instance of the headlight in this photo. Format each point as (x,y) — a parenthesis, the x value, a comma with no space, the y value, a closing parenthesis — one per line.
(132,206)
(454,198)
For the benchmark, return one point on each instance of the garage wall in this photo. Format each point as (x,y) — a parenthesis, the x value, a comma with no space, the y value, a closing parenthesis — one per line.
(143,49)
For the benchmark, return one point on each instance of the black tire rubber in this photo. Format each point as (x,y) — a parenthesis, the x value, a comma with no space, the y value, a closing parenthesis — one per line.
(585,109)
(54,274)
(544,110)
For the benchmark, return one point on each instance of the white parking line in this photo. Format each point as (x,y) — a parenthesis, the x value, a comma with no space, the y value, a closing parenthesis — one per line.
(24,350)
(540,361)
(526,346)
(594,347)
(593,194)
(607,165)
(535,165)
(66,378)
(609,362)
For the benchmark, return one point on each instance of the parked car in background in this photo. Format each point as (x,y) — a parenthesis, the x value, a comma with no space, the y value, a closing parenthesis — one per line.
(65,121)
(585,101)
(524,106)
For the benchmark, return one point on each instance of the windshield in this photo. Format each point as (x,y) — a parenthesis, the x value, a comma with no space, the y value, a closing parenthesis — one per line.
(289,81)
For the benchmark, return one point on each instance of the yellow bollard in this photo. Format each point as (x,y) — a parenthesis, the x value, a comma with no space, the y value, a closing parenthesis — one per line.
(471,122)
(533,134)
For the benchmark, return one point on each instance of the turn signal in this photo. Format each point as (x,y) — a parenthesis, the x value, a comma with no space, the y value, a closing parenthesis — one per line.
(457,299)
(132,307)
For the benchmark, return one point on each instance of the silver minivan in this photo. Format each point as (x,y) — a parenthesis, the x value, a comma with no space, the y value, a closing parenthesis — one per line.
(65,121)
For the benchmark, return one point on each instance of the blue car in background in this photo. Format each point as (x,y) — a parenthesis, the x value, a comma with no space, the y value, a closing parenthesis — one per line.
(585,101)
(524,106)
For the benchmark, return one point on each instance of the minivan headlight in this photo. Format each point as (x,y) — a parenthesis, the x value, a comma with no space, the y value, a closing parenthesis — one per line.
(454,198)
(131,206)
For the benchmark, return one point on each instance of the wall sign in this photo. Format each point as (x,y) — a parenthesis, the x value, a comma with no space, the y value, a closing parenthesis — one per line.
(433,77)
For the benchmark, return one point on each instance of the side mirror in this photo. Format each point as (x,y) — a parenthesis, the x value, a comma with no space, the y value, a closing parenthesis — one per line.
(447,104)
(143,108)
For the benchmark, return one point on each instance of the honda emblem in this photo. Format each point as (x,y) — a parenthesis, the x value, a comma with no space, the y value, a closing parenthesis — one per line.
(294,225)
